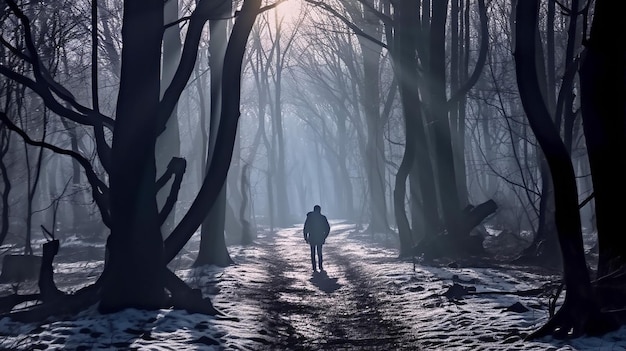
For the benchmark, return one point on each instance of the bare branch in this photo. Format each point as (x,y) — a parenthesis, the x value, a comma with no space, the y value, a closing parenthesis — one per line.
(48,84)
(346,21)
(42,90)
(482,57)
(99,190)
(177,167)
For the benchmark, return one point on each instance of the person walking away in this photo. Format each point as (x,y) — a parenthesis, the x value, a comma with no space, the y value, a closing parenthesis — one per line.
(316,230)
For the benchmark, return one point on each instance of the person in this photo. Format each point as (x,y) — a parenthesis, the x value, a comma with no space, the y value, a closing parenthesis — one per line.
(316,230)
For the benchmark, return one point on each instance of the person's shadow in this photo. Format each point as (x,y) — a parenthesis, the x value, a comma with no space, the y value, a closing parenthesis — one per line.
(323,282)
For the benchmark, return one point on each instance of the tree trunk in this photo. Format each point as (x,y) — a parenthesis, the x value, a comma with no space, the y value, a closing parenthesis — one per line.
(168,143)
(603,88)
(32,186)
(280,175)
(218,168)
(5,142)
(212,243)
(213,248)
(133,273)
(440,127)
(374,162)
(405,70)
(580,312)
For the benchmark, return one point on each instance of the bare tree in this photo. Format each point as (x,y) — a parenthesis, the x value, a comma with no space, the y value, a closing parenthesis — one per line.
(580,312)
(212,244)
(136,273)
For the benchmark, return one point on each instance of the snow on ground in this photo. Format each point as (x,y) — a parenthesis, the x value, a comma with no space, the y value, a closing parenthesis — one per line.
(366,299)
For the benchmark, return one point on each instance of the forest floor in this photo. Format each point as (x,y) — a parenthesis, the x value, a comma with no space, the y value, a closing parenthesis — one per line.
(365,299)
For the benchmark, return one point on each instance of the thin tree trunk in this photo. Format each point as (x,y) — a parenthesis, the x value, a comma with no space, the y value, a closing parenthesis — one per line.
(440,127)
(280,177)
(5,142)
(168,143)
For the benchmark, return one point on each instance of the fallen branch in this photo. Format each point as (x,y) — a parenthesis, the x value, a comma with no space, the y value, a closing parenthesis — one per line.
(7,303)
(457,291)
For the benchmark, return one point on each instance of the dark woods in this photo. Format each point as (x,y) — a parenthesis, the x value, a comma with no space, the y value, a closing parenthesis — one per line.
(438,122)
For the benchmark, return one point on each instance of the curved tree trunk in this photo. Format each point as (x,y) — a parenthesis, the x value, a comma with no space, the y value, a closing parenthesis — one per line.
(168,143)
(405,70)
(218,168)
(440,128)
(580,312)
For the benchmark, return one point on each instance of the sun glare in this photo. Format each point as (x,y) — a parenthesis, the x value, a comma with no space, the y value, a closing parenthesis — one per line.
(289,10)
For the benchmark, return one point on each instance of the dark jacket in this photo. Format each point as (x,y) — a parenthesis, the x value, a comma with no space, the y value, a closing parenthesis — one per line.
(316,228)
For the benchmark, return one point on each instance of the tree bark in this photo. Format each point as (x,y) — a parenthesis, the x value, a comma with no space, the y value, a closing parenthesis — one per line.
(580,312)
(218,168)
(440,127)
(168,143)
(603,88)
(212,243)
(405,69)
(133,273)
(370,103)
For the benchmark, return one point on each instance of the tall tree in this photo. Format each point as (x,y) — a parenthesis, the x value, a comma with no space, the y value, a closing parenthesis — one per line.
(370,100)
(404,52)
(212,244)
(603,92)
(135,274)
(580,312)
(168,143)
(280,171)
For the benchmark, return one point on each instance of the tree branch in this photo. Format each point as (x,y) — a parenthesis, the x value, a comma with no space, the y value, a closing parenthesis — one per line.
(220,163)
(47,84)
(482,57)
(99,190)
(177,167)
(204,11)
(346,21)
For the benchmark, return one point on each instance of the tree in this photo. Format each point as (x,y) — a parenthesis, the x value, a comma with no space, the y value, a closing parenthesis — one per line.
(168,143)
(212,243)
(5,142)
(404,52)
(371,101)
(135,274)
(603,88)
(323,96)
(361,17)
(427,93)
(580,312)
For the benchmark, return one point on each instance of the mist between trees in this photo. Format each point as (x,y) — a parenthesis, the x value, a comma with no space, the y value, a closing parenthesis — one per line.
(140,124)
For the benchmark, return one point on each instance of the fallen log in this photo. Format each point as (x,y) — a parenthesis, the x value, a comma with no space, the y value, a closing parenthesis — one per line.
(8,302)
(474,215)
(53,301)
(444,244)
(456,291)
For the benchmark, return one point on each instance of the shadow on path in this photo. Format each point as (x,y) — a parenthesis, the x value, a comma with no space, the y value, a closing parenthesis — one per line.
(325,283)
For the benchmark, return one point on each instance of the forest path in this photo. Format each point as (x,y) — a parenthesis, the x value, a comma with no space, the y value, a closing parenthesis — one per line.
(336,309)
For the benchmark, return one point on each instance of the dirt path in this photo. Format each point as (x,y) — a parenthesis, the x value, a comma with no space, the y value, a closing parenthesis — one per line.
(336,309)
